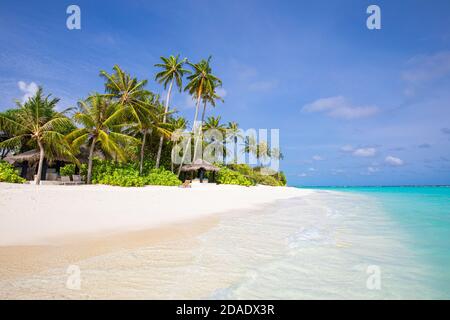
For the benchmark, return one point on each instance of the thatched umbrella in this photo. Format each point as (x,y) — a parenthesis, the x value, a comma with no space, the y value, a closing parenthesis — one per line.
(200,165)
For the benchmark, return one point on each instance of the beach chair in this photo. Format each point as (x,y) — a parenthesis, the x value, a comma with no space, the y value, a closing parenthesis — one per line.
(65,180)
(77,179)
(186,184)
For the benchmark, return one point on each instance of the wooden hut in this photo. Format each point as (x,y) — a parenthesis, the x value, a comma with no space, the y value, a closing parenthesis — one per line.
(198,169)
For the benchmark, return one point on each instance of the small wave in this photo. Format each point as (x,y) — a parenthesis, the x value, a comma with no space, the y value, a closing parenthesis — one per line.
(308,236)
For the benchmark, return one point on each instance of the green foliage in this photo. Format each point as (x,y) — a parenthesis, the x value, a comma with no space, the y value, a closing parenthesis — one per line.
(67,170)
(255,175)
(8,174)
(161,177)
(228,176)
(127,174)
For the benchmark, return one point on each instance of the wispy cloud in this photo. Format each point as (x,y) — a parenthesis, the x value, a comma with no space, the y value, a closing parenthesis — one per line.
(365,152)
(445,130)
(318,158)
(339,107)
(425,68)
(372,170)
(263,85)
(394,161)
(28,90)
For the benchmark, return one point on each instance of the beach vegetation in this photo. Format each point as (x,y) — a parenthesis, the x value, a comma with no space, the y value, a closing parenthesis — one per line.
(228,176)
(9,174)
(67,170)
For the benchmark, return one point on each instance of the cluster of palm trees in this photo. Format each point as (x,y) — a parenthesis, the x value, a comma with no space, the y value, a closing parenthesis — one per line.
(119,121)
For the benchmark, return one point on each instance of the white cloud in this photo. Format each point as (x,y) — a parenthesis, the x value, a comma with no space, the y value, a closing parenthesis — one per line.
(372,169)
(189,102)
(424,68)
(393,161)
(347,148)
(263,85)
(28,90)
(221,92)
(339,107)
(365,152)
(311,169)
(337,171)
(318,158)
(302,174)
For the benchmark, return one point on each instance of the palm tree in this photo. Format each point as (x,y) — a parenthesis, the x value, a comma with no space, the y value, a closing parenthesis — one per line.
(37,122)
(234,133)
(201,82)
(172,71)
(138,105)
(209,97)
(213,123)
(178,126)
(97,115)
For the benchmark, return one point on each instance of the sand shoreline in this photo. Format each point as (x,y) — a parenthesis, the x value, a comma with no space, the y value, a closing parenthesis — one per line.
(32,215)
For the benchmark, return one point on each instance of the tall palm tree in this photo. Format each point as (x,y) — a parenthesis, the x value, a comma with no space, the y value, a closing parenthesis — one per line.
(201,82)
(100,126)
(178,126)
(132,98)
(214,123)
(210,97)
(37,122)
(154,111)
(234,133)
(172,71)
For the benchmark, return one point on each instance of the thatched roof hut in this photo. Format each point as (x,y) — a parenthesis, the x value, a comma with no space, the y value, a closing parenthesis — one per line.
(198,165)
(30,156)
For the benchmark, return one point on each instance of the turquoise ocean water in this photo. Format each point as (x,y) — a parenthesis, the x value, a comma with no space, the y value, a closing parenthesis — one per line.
(423,214)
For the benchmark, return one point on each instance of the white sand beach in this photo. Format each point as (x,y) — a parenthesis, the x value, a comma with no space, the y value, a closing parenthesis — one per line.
(40,215)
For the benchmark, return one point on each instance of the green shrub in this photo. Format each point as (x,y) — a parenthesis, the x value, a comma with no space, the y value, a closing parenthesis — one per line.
(161,177)
(67,170)
(255,175)
(127,174)
(9,174)
(228,176)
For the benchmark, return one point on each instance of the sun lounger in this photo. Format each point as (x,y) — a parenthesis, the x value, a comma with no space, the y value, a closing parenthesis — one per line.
(77,179)
(66,180)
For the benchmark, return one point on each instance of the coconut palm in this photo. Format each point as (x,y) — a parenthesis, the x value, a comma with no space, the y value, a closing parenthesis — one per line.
(131,96)
(38,123)
(209,97)
(213,123)
(234,133)
(179,125)
(201,82)
(172,72)
(100,126)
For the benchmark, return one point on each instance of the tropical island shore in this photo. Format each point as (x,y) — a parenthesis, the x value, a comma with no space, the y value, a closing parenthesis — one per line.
(41,215)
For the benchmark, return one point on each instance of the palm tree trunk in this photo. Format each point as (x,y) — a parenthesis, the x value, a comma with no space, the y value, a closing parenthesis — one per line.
(161,139)
(188,145)
(41,162)
(141,162)
(235,150)
(91,155)
(201,124)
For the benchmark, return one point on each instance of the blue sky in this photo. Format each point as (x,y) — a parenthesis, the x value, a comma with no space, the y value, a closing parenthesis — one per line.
(354,106)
